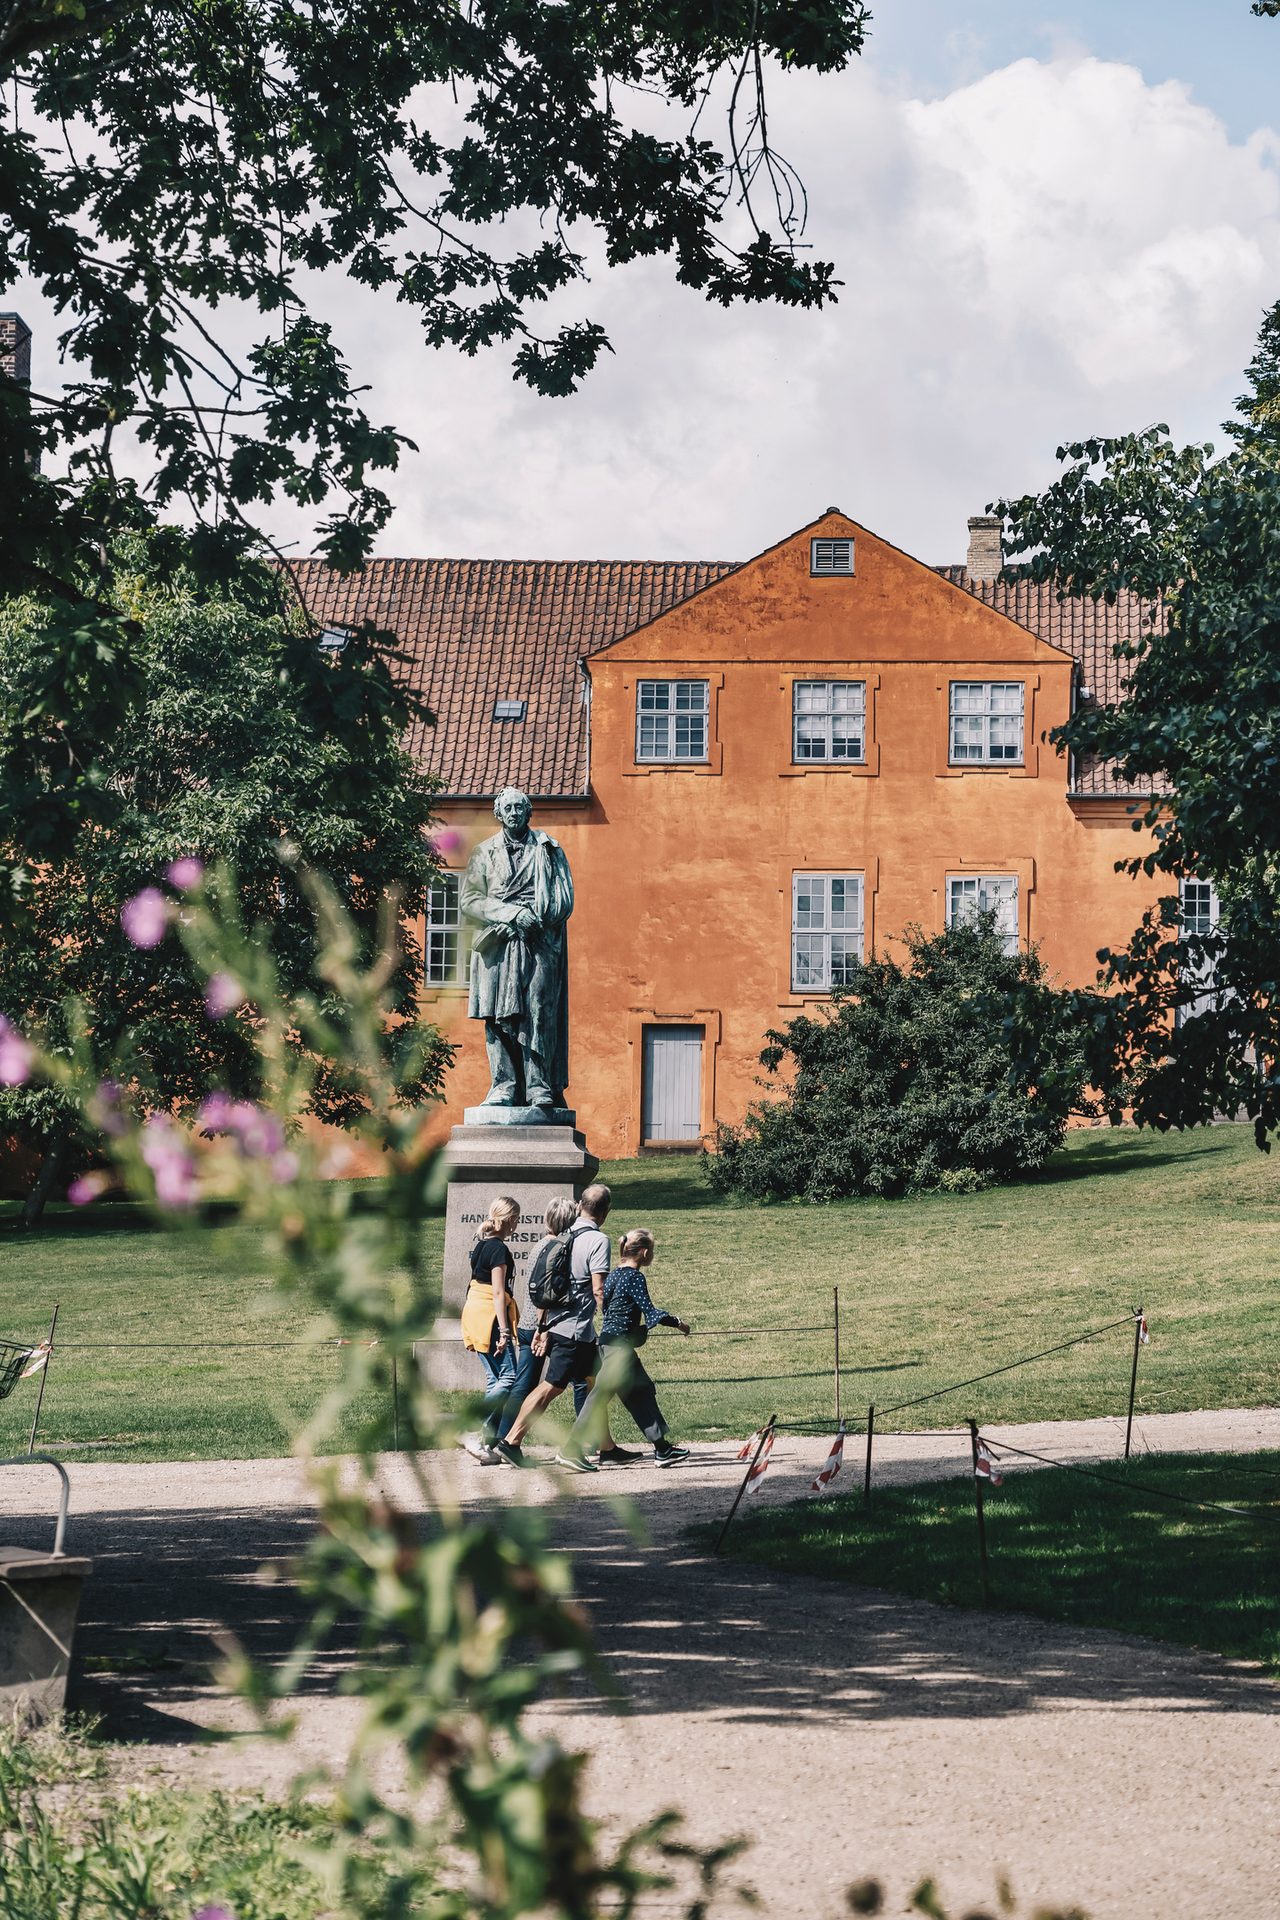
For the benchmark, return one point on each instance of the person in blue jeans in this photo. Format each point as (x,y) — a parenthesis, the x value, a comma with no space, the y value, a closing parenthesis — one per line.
(531,1351)
(490,1318)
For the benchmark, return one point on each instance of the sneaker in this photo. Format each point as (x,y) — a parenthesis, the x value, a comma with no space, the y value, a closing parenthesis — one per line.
(509,1454)
(668,1456)
(576,1463)
(618,1456)
(472,1443)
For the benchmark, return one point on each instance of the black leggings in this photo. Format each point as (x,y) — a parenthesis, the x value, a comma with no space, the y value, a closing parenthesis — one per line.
(622,1377)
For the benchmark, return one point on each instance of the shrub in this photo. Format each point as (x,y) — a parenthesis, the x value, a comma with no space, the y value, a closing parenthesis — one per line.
(951,1070)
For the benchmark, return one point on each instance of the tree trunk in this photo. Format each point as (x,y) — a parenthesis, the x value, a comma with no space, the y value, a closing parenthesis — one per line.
(50,1167)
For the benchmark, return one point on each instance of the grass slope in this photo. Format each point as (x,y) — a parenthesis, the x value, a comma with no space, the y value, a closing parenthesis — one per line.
(932,1290)
(1092,1553)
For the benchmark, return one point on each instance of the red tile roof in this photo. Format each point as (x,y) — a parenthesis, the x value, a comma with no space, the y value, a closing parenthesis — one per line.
(474,631)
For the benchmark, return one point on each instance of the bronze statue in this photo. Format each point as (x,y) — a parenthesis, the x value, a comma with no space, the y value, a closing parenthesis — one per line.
(519,893)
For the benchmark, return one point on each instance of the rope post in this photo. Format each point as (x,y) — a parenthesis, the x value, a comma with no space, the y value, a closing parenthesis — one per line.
(866,1477)
(979,1496)
(765,1431)
(395,1405)
(1133,1378)
(44,1375)
(835,1304)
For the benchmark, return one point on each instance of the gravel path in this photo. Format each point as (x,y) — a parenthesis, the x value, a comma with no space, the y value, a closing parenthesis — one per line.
(846,1731)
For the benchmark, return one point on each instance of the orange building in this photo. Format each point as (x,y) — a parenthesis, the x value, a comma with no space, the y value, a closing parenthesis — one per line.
(759,772)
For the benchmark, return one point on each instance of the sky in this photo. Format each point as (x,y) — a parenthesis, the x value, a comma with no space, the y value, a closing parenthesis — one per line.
(1050,222)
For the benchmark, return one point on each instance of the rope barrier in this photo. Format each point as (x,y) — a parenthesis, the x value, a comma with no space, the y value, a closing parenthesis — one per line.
(1025,1361)
(1132,1486)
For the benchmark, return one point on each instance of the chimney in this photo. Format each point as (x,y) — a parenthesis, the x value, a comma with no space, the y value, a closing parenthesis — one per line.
(15,349)
(986,555)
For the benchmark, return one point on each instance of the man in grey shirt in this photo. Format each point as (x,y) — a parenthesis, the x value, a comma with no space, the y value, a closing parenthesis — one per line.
(572,1356)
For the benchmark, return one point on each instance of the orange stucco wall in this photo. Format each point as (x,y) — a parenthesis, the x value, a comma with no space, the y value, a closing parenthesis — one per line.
(683,874)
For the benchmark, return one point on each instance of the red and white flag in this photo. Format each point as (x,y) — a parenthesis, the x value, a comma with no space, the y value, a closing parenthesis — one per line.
(1144,1338)
(984,1466)
(37,1358)
(760,1464)
(835,1460)
(748,1447)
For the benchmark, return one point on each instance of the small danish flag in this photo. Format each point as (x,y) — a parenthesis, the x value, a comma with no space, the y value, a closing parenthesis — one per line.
(984,1467)
(37,1358)
(1144,1338)
(834,1462)
(748,1447)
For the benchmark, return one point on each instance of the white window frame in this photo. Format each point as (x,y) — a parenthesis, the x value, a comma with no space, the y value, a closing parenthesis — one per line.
(812,967)
(827,710)
(974,893)
(446,949)
(1202,919)
(829,556)
(989,743)
(669,714)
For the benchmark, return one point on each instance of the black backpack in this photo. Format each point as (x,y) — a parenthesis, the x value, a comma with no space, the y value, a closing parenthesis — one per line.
(552,1276)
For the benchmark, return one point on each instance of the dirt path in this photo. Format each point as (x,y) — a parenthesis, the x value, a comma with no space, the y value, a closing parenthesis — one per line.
(846,1731)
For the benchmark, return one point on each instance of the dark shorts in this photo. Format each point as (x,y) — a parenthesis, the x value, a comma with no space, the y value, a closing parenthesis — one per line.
(569,1360)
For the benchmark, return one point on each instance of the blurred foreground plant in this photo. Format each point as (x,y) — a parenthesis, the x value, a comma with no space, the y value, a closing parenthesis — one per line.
(462,1621)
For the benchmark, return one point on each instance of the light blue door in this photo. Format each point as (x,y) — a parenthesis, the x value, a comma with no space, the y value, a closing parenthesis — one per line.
(672,1083)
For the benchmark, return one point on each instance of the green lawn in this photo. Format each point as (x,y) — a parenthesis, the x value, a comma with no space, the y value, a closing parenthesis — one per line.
(932,1290)
(1063,1547)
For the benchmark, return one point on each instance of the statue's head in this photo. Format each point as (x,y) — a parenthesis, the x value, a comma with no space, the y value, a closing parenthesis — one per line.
(513,808)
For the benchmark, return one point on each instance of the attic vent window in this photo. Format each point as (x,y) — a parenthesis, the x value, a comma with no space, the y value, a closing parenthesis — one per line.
(333,639)
(831,556)
(510,709)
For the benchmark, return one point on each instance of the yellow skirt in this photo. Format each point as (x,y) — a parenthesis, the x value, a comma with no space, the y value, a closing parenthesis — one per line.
(479,1317)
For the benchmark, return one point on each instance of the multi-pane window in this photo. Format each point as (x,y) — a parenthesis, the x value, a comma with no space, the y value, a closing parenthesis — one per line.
(1197,915)
(671,719)
(831,556)
(972,894)
(445,942)
(826,930)
(829,719)
(986,723)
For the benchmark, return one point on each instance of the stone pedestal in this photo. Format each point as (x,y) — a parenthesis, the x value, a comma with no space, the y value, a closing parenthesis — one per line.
(531,1153)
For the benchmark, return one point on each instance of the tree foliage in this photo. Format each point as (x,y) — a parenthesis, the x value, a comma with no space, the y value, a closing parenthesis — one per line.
(953,1069)
(161,163)
(243,745)
(1199,536)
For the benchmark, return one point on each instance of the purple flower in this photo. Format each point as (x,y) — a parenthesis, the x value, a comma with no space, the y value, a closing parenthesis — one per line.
(185,874)
(86,1188)
(172,1167)
(214,1913)
(15,1056)
(106,1108)
(260,1134)
(215,1112)
(222,995)
(284,1167)
(444,840)
(145,918)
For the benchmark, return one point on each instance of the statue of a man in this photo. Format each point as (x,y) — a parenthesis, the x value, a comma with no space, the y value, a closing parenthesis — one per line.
(519,892)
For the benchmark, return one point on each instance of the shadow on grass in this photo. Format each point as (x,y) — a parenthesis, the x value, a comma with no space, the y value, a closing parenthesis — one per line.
(1115,1153)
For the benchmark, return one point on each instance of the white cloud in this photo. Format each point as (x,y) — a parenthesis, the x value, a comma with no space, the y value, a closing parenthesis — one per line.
(1055,249)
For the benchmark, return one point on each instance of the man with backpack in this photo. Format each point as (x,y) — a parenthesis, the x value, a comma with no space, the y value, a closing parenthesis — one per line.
(548,1281)
(568,1304)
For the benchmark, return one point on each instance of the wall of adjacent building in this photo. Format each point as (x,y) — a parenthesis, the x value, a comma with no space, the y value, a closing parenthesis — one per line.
(684,874)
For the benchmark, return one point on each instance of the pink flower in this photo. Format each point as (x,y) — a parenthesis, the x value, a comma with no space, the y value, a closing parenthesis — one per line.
(444,841)
(214,1913)
(260,1134)
(284,1168)
(15,1056)
(172,1167)
(215,1112)
(106,1108)
(222,995)
(185,874)
(145,918)
(86,1188)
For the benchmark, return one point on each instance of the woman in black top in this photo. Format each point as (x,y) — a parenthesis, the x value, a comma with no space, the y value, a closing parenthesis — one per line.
(490,1319)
